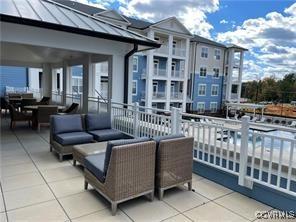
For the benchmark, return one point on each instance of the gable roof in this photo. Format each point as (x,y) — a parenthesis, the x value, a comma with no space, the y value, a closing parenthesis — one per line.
(198,38)
(174,20)
(52,15)
(114,15)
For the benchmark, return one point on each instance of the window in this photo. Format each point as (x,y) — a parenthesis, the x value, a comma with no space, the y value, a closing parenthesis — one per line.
(234,89)
(173,68)
(213,107)
(201,107)
(216,73)
(204,52)
(134,88)
(58,81)
(155,87)
(202,89)
(217,54)
(156,66)
(203,72)
(40,79)
(214,90)
(135,64)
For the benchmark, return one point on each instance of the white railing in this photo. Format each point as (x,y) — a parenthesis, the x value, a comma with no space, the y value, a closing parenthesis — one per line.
(73,98)
(155,95)
(247,150)
(179,52)
(37,93)
(57,97)
(164,49)
(160,72)
(176,95)
(178,74)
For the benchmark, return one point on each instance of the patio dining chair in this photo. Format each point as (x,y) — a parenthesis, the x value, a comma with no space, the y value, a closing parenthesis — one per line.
(71,109)
(44,101)
(44,113)
(16,116)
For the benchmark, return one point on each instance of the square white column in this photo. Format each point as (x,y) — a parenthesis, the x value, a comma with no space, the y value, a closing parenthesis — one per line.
(169,73)
(186,75)
(149,76)
(46,80)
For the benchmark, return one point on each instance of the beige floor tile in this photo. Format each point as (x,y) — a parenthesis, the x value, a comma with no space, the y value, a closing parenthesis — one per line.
(242,205)
(3,217)
(196,177)
(209,189)
(182,199)
(68,187)
(12,151)
(22,181)
(2,208)
(103,216)
(61,173)
(28,196)
(178,218)
(213,212)
(12,170)
(47,160)
(15,159)
(46,212)
(91,200)
(142,209)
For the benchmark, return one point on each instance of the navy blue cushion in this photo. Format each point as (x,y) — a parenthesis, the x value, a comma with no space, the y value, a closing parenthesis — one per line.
(98,121)
(107,134)
(113,143)
(95,164)
(167,137)
(66,123)
(73,138)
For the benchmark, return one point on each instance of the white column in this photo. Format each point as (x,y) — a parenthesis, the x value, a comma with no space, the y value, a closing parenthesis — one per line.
(46,81)
(110,83)
(169,72)
(130,80)
(54,80)
(87,82)
(149,76)
(230,72)
(98,77)
(67,81)
(117,78)
(186,75)
(241,66)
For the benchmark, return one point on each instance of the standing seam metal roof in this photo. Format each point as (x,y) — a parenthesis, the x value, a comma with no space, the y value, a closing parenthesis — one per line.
(52,15)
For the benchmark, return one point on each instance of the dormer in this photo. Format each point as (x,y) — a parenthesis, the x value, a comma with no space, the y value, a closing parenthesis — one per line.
(113,17)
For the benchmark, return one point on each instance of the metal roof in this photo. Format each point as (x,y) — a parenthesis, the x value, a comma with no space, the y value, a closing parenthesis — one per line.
(198,38)
(52,15)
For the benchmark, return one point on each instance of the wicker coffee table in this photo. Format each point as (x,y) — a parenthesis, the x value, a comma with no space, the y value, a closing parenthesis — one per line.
(83,150)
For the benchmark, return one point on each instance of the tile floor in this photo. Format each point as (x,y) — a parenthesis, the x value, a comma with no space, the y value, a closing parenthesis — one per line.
(35,186)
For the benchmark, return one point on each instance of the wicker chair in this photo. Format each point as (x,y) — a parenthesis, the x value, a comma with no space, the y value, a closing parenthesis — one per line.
(130,173)
(16,116)
(44,113)
(174,158)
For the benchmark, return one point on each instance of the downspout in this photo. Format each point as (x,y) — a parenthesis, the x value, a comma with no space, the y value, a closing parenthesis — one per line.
(126,72)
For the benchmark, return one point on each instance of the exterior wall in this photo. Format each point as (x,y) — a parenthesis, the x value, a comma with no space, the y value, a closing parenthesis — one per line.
(12,76)
(137,77)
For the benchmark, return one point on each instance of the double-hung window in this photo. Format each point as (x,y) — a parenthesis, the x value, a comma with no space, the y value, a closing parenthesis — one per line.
(213,107)
(134,88)
(216,73)
(217,54)
(214,90)
(204,52)
(201,107)
(135,64)
(203,72)
(202,89)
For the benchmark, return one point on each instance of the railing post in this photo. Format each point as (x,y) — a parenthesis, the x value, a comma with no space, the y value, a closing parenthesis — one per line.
(136,119)
(243,162)
(176,120)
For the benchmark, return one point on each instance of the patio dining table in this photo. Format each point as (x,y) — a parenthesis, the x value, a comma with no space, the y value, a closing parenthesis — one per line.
(34,109)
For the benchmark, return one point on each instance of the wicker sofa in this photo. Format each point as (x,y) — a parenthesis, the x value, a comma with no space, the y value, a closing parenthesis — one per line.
(124,172)
(174,158)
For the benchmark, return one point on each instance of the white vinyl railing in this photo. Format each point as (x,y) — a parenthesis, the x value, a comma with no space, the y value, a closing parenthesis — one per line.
(164,49)
(179,52)
(57,97)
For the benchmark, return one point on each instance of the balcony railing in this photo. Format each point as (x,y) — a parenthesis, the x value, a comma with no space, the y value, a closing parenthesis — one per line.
(176,95)
(160,72)
(164,49)
(155,95)
(179,52)
(178,74)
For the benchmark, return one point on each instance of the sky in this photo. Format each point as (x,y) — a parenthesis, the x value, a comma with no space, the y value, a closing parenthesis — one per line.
(266,27)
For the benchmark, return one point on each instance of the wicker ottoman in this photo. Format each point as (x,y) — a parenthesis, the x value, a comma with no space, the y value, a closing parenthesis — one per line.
(83,150)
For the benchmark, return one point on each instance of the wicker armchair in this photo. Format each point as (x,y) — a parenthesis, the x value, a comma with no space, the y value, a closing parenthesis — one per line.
(16,116)
(44,113)
(130,173)
(174,160)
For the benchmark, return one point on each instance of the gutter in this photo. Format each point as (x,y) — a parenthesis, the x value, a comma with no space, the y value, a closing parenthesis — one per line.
(126,72)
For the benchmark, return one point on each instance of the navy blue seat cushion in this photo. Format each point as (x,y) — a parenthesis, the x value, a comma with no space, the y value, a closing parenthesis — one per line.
(73,138)
(167,137)
(98,121)
(107,134)
(66,123)
(114,143)
(95,164)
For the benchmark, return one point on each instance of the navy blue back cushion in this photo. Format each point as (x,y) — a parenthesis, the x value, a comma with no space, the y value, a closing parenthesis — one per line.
(113,143)
(66,123)
(167,137)
(98,121)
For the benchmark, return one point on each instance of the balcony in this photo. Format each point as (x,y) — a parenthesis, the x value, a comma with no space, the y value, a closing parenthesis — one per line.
(164,49)
(178,74)
(179,52)
(155,95)
(160,72)
(176,95)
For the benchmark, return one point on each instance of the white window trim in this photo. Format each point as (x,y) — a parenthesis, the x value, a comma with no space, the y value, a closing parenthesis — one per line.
(134,94)
(214,73)
(136,57)
(204,105)
(215,53)
(200,76)
(212,89)
(199,90)
(216,106)
(201,52)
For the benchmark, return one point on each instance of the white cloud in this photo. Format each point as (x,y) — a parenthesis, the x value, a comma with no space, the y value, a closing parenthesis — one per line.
(223,21)
(271,40)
